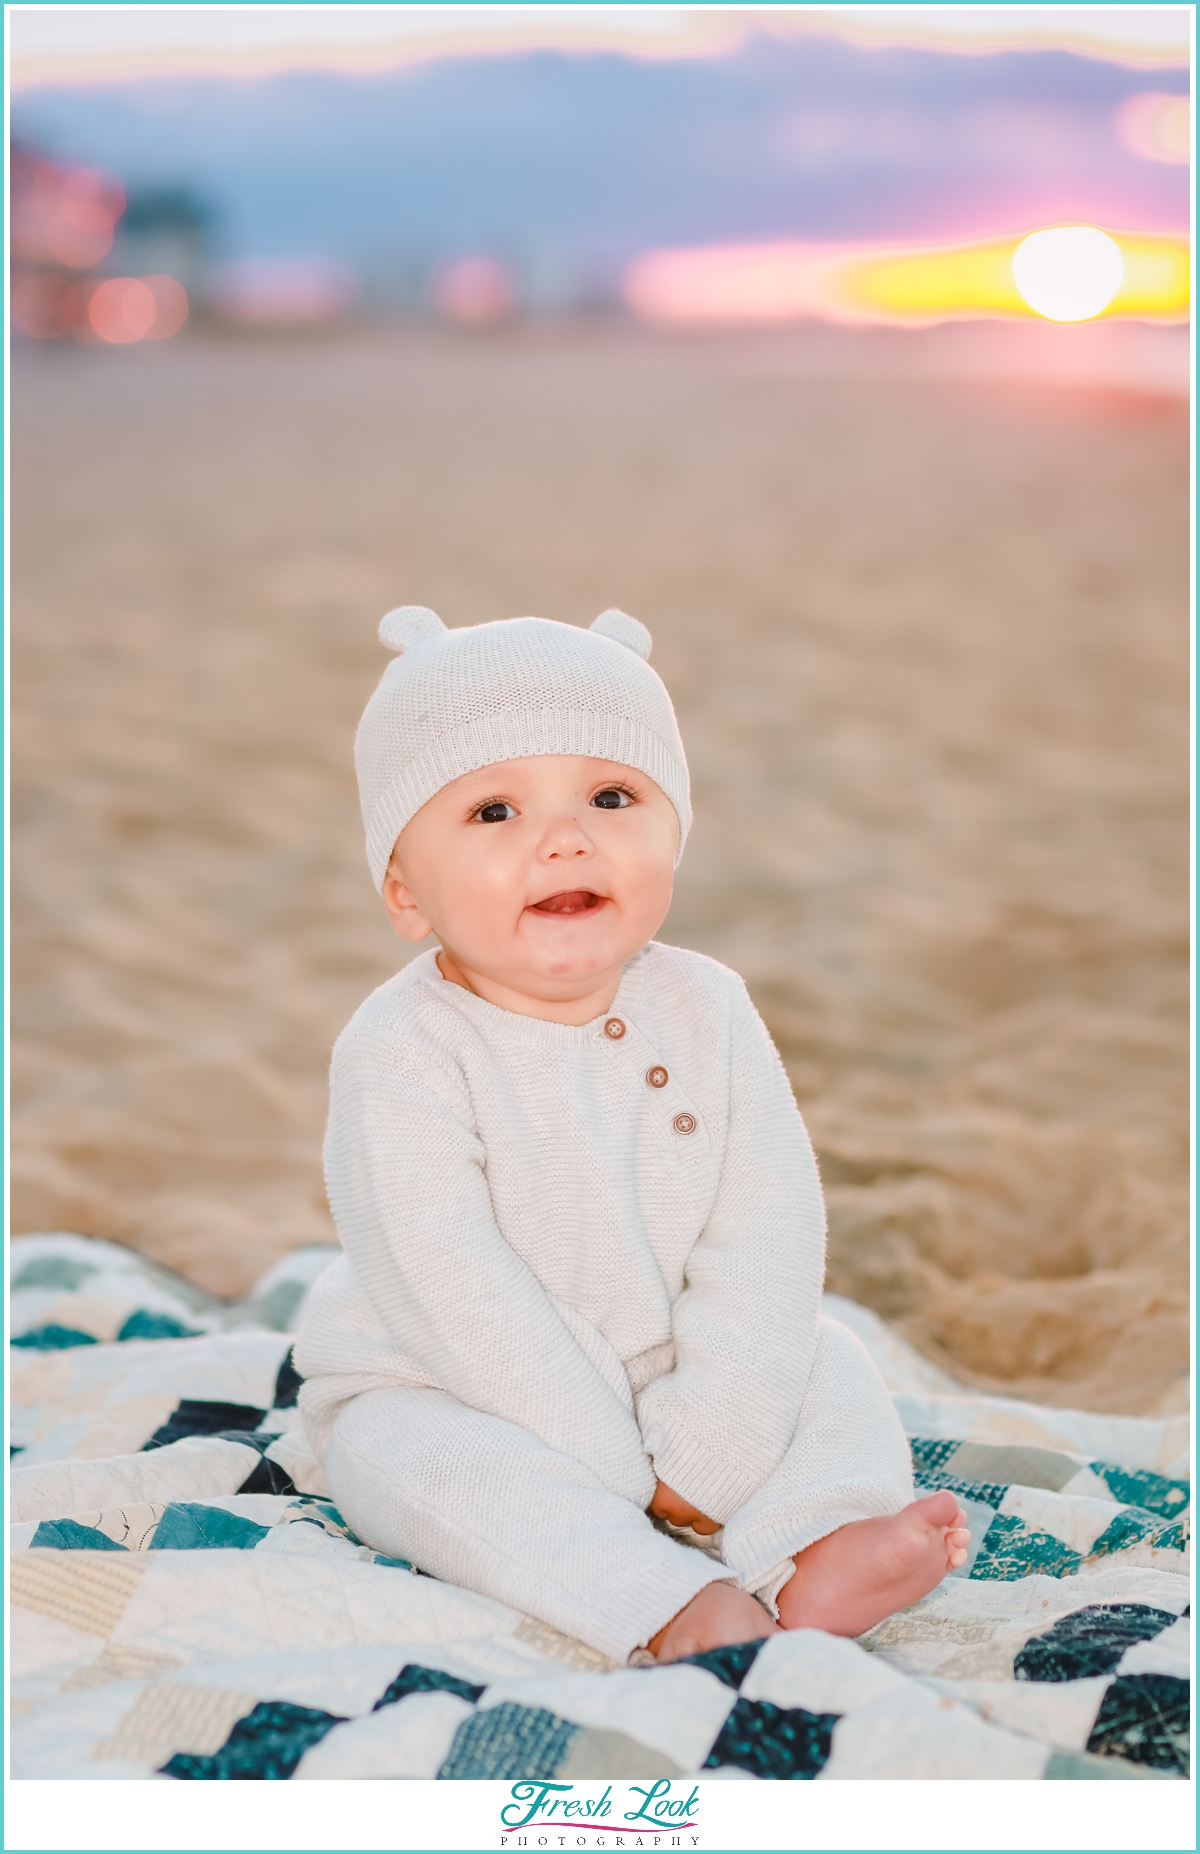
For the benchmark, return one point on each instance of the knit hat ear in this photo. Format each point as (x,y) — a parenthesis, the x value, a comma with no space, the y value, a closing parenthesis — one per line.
(623,630)
(408,625)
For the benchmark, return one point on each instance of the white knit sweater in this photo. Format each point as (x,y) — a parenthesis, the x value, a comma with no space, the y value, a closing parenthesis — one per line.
(611,1234)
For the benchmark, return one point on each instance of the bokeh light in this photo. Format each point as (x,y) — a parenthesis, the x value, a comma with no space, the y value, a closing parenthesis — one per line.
(80,228)
(475,291)
(1068,273)
(45,304)
(170,307)
(80,234)
(64,224)
(1157,126)
(67,214)
(122,310)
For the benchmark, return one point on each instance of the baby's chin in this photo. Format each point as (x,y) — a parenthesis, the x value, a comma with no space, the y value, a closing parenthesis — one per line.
(558,966)
(575,949)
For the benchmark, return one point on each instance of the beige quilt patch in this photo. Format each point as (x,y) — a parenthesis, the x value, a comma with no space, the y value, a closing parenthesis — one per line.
(560,1647)
(88,1590)
(170,1717)
(117,1662)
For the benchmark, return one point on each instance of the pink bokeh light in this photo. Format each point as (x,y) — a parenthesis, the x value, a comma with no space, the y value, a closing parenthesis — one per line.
(1157,126)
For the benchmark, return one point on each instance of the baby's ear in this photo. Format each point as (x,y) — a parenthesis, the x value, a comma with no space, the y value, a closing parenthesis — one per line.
(623,630)
(408,625)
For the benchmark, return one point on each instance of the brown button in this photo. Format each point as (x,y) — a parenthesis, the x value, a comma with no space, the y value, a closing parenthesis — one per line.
(657,1077)
(614,1028)
(684,1123)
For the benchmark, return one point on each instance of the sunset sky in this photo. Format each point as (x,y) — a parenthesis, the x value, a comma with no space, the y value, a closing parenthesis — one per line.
(567,144)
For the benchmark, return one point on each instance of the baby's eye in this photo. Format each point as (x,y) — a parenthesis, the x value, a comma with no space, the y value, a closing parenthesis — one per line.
(497,812)
(612,798)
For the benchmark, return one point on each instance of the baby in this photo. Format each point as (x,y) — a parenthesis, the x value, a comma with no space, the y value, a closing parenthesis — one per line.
(582,1223)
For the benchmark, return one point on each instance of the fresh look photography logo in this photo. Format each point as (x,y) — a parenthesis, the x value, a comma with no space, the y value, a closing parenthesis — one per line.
(659,1814)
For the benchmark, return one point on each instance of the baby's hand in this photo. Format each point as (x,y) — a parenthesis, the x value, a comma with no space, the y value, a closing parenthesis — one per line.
(668,1505)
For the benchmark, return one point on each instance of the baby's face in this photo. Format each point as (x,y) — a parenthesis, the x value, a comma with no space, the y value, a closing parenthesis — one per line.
(540,877)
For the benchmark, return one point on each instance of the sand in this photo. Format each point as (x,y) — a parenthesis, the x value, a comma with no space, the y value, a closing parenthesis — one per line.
(928,641)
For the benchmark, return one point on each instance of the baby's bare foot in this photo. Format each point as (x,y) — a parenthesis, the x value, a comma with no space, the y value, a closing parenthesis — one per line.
(717,1616)
(853,1578)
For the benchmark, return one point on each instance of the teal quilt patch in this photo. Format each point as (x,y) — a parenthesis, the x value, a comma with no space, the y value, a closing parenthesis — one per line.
(146,1325)
(937,1480)
(509,1742)
(264,1747)
(52,1271)
(1144,1717)
(69,1535)
(1154,1493)
(54,1338)
(774,1742)
(1130,1527)
(188,1526)
(1011,1549)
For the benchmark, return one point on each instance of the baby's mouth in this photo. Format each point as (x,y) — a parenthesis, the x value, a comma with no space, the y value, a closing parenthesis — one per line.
(570,901)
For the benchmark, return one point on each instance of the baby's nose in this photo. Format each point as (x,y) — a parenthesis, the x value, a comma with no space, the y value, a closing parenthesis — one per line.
(567,838)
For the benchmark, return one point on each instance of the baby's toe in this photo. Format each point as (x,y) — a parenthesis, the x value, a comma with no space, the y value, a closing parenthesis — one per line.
(939,1509)
(958,1541)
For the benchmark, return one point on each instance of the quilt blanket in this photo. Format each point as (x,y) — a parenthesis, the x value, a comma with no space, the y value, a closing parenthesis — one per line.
(189,1605)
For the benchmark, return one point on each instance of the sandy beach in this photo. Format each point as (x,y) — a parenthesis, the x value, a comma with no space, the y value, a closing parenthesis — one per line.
(927,636)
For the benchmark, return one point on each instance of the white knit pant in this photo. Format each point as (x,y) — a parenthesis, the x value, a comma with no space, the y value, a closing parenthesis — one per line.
(482,1502)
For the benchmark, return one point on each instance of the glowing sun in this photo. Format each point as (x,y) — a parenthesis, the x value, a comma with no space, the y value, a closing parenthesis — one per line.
(1069,272)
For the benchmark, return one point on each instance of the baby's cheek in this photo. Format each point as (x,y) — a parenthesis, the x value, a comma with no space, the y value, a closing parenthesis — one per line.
(487,890)
(651,882)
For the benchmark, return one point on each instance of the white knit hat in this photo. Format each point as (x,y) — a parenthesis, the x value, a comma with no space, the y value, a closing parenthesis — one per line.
(454,701)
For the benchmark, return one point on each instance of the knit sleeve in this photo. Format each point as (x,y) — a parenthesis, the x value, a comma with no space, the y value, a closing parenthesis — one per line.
(745,1325)
(406,1178)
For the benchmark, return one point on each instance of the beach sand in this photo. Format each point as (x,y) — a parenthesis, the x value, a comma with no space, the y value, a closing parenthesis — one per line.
(927,637)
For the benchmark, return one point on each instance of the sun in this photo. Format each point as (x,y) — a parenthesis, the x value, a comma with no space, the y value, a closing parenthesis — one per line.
(1069,272)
